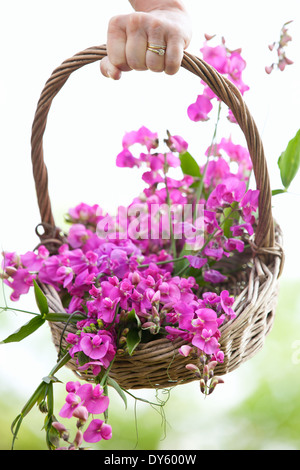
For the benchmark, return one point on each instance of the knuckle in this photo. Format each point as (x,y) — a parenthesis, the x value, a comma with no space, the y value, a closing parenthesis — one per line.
(136,21)
(114,23)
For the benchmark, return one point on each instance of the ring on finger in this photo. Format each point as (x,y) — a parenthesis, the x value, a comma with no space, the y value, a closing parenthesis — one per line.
(156,48)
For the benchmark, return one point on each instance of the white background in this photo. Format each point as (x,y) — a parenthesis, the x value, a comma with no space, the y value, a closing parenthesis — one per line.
(90,115)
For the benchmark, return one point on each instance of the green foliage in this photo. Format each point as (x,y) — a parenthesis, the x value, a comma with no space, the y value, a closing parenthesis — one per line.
(289,163)
(41,300)
(189,165)
(25,330)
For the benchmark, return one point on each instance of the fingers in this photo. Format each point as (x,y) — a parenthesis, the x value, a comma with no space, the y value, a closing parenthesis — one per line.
(129,43)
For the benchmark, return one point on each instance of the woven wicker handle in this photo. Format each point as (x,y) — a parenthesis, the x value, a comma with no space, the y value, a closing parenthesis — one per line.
(223,88)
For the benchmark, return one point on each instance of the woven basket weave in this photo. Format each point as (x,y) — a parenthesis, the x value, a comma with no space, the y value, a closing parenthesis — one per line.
(157,364)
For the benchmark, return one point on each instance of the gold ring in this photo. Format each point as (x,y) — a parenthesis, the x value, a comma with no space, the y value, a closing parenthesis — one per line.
(160,50)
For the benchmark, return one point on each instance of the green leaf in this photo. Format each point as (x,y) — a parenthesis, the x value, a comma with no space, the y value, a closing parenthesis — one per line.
(230,216)
(82,358)
(189,165)
(133,339)
(25,330)
(278,191)
(118,389)
(134,335)
(289,161)
(41,299)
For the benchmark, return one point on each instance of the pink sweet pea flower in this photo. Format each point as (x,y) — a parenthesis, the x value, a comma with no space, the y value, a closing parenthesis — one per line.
(199,110)
(206,342)
(93,398)
(206,319)
(195,261)
(126,159)
(152,177)
(98,346)
(234,244)
(216,56)
(72,402)
(178,144)
(185,350)
(97,430)
(226,303)
(249,204)
(238,230)
(21,283)
(143,136)
(214,276)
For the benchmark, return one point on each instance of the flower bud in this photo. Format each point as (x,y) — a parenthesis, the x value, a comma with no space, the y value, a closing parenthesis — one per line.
(43,407)
(202,386)
(81,413)
(185,351)
(10,271)
(78,438)
(214,383)
(135,278)
(64,434)
(122,340)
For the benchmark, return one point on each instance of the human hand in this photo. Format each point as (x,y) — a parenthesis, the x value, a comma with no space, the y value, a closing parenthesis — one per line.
(129,35)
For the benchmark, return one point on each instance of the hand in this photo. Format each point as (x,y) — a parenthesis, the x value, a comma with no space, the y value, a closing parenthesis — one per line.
(128,37)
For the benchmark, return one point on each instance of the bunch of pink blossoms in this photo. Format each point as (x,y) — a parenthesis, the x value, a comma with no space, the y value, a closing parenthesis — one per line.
(144,266)
(115,278)
(81,401)
(228,63)
(280,48)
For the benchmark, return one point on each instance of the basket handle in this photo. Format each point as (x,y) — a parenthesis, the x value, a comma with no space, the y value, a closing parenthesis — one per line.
(221,86)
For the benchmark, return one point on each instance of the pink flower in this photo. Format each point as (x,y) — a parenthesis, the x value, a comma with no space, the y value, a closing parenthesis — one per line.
(78,235)
(21,282)
(199,110)
(238,230)
(152,177)
(214,276)
(234,244)
(97,430)
(216,56)
(93,398)
(206,342)
(178,144)
(226,193)
(72,402)
(226,303)
(249,204)
(143,136)
(98,346)
(206,319)
(195,261)
(185,350)
(126,159)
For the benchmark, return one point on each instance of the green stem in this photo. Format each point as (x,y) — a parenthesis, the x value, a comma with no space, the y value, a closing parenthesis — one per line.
(173,260)
(18,310)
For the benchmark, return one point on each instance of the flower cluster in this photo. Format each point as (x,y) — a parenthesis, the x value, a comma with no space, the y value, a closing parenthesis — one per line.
(227,62)
(81,402)
(280,47)
(157,265)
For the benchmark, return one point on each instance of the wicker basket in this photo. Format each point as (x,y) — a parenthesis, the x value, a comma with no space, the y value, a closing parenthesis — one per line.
(157,364)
